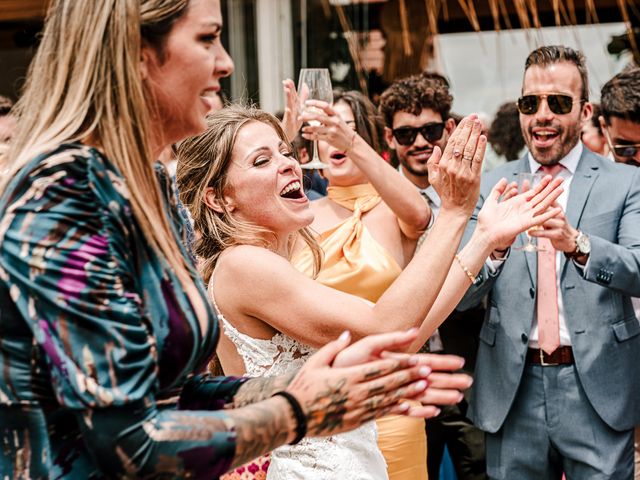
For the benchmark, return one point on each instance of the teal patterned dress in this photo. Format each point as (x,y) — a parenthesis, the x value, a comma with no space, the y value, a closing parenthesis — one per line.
(100,348)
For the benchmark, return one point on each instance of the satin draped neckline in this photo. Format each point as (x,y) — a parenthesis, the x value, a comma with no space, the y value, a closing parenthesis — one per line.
(353,261)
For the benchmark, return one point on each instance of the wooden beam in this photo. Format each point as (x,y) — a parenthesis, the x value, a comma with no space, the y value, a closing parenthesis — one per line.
(16,10)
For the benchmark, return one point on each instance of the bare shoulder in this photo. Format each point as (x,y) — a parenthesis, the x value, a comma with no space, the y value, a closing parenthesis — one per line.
(248,260)
(247,274)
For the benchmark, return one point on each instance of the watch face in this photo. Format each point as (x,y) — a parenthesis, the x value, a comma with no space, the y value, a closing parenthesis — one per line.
(583,243)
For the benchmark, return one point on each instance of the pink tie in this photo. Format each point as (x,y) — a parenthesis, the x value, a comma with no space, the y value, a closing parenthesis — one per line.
(547,299)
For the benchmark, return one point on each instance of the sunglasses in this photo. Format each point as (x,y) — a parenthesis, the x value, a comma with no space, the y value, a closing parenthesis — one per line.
(558,103)
(431,132)
(626,150)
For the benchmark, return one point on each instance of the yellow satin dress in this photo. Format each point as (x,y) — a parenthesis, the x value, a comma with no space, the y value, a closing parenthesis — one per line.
(354,262)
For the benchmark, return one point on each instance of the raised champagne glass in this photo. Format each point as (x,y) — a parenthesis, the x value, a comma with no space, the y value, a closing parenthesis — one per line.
(315,84)
(526,181)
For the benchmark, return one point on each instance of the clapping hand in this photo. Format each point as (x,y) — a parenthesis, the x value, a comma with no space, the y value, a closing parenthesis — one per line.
(455,173)
(341,386)
(291,121)
(443,387)
(505,213)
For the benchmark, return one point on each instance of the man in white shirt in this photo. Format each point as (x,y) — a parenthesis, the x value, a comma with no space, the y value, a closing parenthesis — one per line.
(558,370)
(416,111)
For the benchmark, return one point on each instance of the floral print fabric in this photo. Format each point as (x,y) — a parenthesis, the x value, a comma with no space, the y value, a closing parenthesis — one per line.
(98,341)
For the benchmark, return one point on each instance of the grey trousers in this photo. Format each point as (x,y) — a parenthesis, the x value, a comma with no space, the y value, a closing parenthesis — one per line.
(552,428)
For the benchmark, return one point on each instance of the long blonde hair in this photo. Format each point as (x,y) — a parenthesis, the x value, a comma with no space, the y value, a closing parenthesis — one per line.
(203,162)
(85,84)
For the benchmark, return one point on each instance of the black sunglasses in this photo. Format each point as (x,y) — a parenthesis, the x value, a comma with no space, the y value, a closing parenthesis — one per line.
(626,150)
(431,132)
(558,103)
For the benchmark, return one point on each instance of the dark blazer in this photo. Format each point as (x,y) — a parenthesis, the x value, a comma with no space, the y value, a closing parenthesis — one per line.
(604,202)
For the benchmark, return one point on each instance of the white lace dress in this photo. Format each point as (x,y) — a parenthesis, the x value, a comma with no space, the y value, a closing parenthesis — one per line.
(352,455)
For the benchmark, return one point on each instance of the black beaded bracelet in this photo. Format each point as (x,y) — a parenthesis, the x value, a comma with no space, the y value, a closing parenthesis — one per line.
(301,419)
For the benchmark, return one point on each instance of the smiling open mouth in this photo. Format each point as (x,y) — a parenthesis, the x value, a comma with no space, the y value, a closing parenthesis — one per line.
(545,135)
(293,191)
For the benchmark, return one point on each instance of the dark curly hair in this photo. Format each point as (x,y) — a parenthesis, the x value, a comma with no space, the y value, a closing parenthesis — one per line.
(505,135)
(415,93)
(620,96)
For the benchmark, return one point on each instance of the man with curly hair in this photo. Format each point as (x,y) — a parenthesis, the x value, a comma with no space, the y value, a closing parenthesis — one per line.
(417,114)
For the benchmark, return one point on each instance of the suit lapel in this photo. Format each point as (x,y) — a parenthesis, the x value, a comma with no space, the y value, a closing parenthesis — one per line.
(581,185)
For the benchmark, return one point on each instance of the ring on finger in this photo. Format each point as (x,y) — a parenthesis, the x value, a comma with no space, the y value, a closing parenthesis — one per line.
(468,158)
(456,153)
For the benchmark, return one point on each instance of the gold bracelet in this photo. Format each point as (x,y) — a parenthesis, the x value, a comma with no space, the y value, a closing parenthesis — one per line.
(466,270)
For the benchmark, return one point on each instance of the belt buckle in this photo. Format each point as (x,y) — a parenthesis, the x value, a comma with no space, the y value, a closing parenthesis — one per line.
(542,362)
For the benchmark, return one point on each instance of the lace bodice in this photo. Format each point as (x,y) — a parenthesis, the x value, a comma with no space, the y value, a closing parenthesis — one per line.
(353,455)
(266,358)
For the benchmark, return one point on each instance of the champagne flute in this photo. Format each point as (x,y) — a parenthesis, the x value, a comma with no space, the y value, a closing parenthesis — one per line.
(526,181)
(316,84)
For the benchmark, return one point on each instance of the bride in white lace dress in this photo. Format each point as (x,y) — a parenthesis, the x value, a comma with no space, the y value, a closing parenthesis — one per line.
(243,187)
(354,454)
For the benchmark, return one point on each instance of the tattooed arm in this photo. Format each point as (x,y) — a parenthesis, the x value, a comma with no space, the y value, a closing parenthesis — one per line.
(262,427)
(142,439)
(261,388)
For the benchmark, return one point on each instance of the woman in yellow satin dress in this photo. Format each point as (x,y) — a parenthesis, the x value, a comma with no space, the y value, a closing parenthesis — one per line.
(368,227)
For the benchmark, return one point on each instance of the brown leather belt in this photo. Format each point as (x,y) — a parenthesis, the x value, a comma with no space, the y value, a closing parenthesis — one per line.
(561,356)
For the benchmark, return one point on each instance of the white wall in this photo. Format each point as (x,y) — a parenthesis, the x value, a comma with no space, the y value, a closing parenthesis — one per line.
(274,33)
(485,69)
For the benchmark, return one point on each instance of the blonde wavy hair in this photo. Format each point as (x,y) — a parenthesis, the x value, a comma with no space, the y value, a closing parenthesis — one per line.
(203,162)
(85,85)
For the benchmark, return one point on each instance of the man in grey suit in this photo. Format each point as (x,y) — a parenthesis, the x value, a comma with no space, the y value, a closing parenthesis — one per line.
(557,380)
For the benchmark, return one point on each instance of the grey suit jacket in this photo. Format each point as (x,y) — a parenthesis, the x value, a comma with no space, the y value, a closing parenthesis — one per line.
(604,202)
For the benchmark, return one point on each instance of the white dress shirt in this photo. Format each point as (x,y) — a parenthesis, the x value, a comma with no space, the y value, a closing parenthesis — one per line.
(570,162)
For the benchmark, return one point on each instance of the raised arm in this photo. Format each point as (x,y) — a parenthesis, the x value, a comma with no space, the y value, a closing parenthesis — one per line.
(398,193)
(504,214)
(251,279)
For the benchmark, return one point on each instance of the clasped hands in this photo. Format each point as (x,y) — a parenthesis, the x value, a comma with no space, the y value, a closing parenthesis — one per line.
(356,383)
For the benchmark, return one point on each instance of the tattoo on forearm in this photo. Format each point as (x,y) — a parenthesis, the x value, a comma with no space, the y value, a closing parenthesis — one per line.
(326,411)
(261,388)
(259,429)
